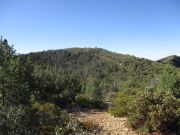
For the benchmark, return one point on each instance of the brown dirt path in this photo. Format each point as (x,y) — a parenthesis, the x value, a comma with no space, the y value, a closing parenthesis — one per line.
(109,124)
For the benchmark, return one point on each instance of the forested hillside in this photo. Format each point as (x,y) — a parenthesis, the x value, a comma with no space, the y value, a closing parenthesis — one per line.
(38,89)
(107,71)
(144,91)
(172,60)
(30,98)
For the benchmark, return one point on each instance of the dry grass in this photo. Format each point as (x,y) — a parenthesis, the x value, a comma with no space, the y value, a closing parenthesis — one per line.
(90,124)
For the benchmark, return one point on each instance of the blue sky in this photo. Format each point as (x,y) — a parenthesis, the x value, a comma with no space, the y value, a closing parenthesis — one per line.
(144,28)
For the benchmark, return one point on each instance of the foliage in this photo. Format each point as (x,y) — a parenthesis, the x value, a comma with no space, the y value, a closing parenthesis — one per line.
(84,102)
(49,117)
(52,120)
(99,70)
(16,120)
(153,109)
(156,111)
(22,85)
(78,128)
(15,77)
(56,87)
(122,105)
(167,80)
(170,81)
(34,86)
(91,96)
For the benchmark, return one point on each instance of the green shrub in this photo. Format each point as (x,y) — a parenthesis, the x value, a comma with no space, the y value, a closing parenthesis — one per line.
(122,104)
(49,117)
(78,128)
(17,120)
(84,102)
(156,111)
(52,120)
(152,110)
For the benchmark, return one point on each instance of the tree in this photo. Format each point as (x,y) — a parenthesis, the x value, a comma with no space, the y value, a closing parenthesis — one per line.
(169,82)
(6,57)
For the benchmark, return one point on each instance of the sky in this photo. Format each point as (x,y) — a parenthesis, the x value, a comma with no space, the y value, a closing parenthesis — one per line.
(143,28)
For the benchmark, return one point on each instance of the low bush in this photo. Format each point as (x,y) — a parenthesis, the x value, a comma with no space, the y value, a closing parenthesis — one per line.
(17,120)
(123,103)
(84,102)
(149,110)
(52,120)
(156,111)
(49,117)
(77,128)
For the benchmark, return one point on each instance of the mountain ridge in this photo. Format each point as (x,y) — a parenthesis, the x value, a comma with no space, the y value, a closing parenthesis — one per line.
(112,71)
(173,60)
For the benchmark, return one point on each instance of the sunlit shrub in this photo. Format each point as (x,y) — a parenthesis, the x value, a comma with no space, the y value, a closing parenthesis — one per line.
(84,102)
(49,117)
(156,111)
(123,103)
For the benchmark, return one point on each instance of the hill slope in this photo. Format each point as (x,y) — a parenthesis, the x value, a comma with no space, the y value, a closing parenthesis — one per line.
(172,60)
(99,68)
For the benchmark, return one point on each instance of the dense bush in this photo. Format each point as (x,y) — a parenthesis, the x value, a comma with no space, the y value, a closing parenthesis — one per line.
(153,109)
(84,102)
(156,111)
(49,117)
(122,105)
(17,120)
(149,110)
(52,85)
(25,93)
(51,120)
(42,119)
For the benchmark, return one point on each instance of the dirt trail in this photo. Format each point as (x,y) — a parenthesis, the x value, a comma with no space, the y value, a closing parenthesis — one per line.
(109,124)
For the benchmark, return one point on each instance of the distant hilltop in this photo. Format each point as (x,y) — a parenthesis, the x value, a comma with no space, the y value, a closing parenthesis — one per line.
(172,60)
